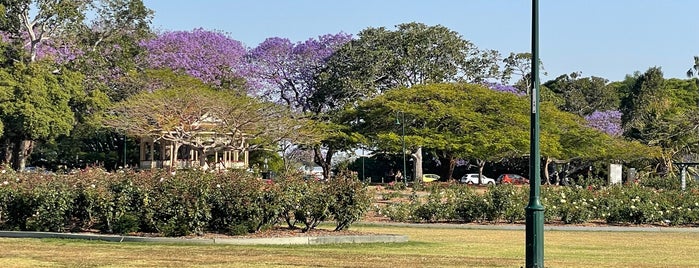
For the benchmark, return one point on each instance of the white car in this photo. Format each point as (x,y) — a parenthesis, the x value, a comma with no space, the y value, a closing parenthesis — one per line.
(472,178)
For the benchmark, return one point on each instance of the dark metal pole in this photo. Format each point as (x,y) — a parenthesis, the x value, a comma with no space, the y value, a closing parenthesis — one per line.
(405,175)
(535,210)
(363,174)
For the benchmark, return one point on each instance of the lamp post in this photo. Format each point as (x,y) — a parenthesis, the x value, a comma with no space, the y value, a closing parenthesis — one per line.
(363,174)
(535,210)
(401,122)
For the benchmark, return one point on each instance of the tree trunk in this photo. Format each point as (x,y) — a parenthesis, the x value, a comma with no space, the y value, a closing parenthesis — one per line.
(7,151)
(417,164)
(546,170)
(448,162)
(23,150)
(173,156)
(481,165)
(324,162)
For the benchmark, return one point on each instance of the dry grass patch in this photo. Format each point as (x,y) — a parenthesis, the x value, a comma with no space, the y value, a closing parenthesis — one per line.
(428,248)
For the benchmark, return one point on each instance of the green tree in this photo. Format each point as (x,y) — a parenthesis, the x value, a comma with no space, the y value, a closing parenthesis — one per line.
(36,105)
(584,95)
(661,112)
(452,121)
(413,54)
(519,64)
(191,113)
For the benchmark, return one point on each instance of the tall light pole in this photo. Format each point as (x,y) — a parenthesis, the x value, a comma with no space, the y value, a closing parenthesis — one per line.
(535,210)
(401,122)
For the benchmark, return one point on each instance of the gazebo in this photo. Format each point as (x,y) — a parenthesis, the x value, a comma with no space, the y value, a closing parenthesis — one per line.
(158,154)
(201,146)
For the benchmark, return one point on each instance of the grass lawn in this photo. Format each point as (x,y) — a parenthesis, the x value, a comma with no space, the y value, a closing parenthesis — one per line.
(428,248)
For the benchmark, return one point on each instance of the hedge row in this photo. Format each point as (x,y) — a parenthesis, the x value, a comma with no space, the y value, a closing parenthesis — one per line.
(188,202)
(620,204)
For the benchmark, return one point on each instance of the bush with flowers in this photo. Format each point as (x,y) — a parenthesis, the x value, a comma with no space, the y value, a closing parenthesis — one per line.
(173,204)
(618,204)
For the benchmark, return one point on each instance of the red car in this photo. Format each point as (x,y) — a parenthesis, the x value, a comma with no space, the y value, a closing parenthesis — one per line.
(512,179)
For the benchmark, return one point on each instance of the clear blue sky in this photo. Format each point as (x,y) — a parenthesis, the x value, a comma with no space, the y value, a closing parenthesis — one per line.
(609,38)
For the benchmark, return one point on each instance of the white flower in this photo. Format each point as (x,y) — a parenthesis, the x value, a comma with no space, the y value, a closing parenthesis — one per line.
(594,207)
(218,186)
(162,179)
(554,207)
(696,204)
(92,185)
(563,201)
(633,207)
(3,171)
(5,182)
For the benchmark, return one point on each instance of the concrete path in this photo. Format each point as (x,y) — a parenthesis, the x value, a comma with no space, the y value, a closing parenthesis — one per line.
(315,240)
(308,240)
(546,227)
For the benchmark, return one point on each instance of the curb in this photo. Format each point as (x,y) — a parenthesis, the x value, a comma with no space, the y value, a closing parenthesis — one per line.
(309,240)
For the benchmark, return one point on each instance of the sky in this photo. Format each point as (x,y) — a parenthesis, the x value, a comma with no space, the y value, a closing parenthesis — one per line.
(603,38)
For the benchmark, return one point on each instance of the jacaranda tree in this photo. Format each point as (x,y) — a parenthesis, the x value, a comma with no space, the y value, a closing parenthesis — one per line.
(210,56)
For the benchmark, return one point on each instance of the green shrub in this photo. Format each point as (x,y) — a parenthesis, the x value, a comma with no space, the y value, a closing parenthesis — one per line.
(314,207)
(350,199)
(50,205)
(239,200)
(399,212)
(470,206)
(180,203)
(126,223)
(663,183)
(440,206)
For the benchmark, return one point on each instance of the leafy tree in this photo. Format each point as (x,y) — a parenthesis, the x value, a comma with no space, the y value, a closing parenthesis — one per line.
(193,114)
(450,120)
(568,139)
(584,95)
(519,64)
(413,54)
(695,68)
(661,112)
(210,56)
(286,73)
(107,48)
(32,23)
(101,46)
(35,105)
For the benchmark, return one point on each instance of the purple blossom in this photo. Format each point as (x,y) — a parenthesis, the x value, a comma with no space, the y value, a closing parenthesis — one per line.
(285,71)
(606,121)
(207,55)
(505,88)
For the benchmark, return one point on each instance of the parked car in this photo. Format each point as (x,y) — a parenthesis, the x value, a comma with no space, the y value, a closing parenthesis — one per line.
(472,178)
(430,177)
(512,179)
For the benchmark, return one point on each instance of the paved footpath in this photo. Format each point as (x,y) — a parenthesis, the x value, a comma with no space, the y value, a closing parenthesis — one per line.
(604,228)
(387,238)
